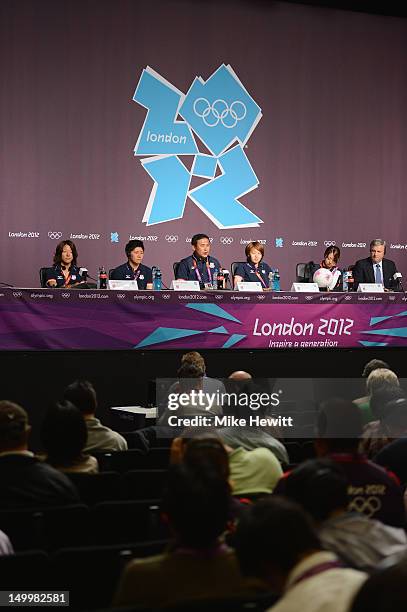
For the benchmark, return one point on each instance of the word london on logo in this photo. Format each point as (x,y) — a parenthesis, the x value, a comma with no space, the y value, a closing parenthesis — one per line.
(220,114)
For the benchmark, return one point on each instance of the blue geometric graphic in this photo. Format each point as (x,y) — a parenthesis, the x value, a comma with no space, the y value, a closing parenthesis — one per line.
(205,166)
(234,339)
(161,133)
(213,309)
(220,111)
(398,332)
(218,330)
(169,194)
(375,320)
(366,343)
(165,334)
(218,198)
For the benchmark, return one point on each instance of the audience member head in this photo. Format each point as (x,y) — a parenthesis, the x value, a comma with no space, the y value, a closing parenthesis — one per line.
(272,536)
(380,377)
(82,394)
(240,375)
(339,427)
(190,377)
(197,504)
(195,358)
(320,486)
(207,452)
(395,417)
(382,396)
(383,590)
(374,364)
(14,427)
(64,434)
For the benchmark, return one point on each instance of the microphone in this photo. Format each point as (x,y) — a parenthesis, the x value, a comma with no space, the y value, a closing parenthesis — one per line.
(397,276)
(84,273)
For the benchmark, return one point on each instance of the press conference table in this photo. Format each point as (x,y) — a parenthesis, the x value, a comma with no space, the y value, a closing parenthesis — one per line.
(58,319)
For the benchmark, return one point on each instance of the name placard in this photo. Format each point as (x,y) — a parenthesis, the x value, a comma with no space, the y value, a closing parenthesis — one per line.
(253,287)
(370,288)
(185,285)
(304,287)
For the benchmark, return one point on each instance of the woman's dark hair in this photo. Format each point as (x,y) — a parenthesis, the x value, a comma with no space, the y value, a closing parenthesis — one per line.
(198,504)
(333,250)
(64,434)
(320,486)
(207,452)
(384,590)
(254,245)
(60,248)
(274,532)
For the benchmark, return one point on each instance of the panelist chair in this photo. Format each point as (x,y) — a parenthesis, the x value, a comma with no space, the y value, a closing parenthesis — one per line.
(43,272)
(234,266)
(175,267)
(302,272)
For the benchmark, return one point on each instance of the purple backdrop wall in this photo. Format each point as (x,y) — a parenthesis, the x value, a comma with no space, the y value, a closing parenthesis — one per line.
(330,150)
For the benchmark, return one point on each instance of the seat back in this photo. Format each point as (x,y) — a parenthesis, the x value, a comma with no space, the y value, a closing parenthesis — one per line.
(111,270)
(43,272)
(303,272)
(129,521)
(234,266)
(145,484)
(95,488)
(175,267)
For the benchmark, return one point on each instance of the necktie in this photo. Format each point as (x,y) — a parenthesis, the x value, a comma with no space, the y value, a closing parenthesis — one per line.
(378,275)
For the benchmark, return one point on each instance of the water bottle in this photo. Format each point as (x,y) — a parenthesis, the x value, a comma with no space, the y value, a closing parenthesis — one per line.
(102,284)
(271,279)
(157,282)
(220,280)
(276,280)
(213,284)
(344,280)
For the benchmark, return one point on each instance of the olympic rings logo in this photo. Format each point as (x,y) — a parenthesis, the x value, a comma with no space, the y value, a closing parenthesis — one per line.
(55,235)
(165,296)
(121,296)
(261,297)
(226,240)
(171,238)
(220,110)
(65,295)
(17,294)
(308,297)
(368,506)
(348,297)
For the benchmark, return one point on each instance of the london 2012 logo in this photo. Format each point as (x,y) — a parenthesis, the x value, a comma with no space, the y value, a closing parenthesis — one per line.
(219,113)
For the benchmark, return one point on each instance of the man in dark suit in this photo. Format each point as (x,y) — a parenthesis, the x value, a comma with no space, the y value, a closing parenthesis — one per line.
(376,269)
(24,480)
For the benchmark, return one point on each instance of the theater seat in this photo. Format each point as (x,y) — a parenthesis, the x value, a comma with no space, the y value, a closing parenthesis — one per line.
(145,484)
(128,521)
(95,488)
(29,570)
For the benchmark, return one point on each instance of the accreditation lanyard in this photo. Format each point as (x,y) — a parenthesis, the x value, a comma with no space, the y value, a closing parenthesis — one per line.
(314,571)
(257,273)
(67,279)
(134,273)
(197,272)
